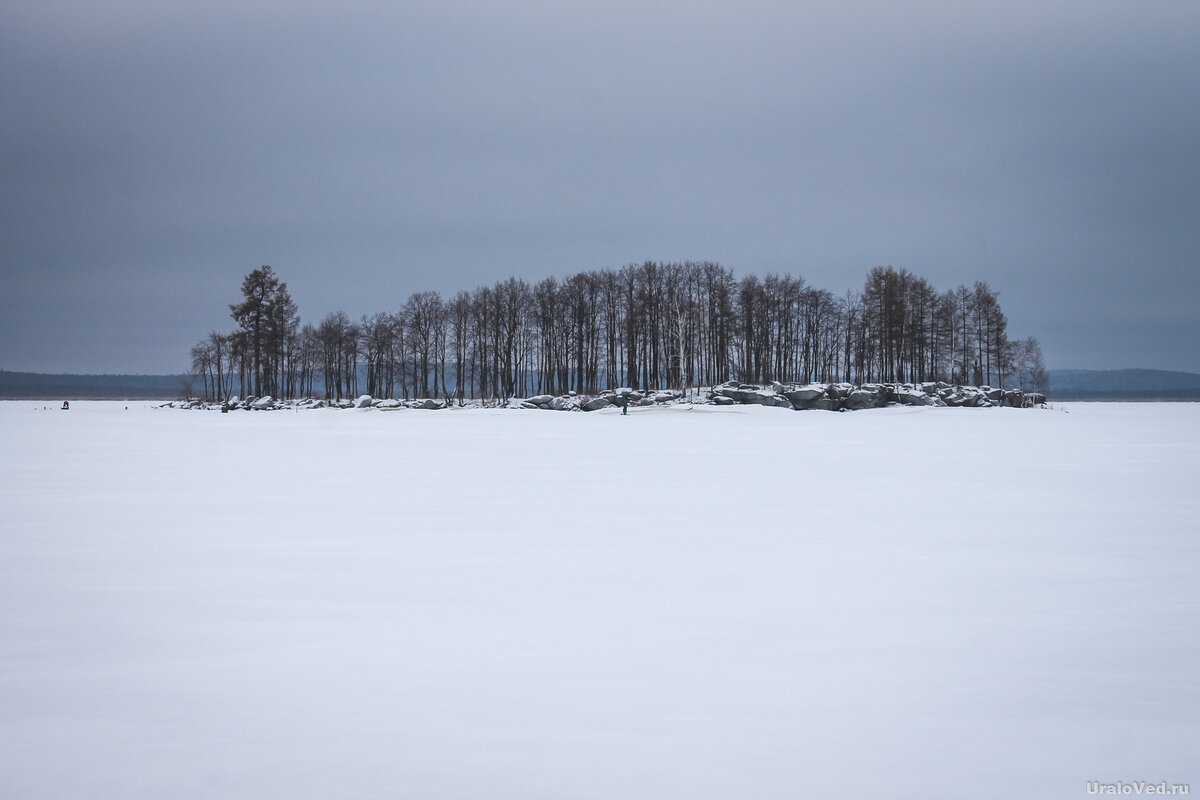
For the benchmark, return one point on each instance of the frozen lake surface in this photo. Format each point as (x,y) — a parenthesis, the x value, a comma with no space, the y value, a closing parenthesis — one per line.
(709,603)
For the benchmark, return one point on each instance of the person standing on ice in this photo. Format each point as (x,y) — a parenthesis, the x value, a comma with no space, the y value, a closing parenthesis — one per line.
(66,406)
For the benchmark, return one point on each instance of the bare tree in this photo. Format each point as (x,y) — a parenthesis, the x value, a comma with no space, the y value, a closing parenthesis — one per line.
(1029,366)
(646,325)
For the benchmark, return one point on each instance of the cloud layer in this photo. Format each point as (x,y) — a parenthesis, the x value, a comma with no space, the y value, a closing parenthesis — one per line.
(153,154)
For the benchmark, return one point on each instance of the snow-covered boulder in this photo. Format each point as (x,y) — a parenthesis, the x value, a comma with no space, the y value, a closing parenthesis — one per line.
(974,397)
(951,396)
(739,394)
(912,396)
(805,394)
(363,401)
(540,399)
(596,403)
(264,403)
(866,396)
(428,404)
(748,394)
(965,397)
(773,400)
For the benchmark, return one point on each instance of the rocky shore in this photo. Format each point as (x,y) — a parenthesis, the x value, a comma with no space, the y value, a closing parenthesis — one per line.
(810,396)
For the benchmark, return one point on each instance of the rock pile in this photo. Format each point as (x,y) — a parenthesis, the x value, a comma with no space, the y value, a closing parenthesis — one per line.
(847,397)
(612,397)
(272,404)
(822,396)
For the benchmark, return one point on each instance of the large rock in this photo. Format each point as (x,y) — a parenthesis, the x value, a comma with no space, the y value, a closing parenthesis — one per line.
(738,394)
(540,399)
(951,396)
(749,394)
(1013,398)
(363,401)
(912,396)
(772,400)
(976,397)
(560,403)
(428,404)
(839,391)
(596,403)
(806,393)
(264,402)
(866,396)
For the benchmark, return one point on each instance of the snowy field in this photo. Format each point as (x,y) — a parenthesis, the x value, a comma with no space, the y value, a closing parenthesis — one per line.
(713,603)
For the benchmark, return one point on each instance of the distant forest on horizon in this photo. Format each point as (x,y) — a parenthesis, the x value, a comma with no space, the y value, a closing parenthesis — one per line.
(645,325)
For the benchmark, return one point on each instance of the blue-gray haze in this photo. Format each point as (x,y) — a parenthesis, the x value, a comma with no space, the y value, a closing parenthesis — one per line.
(151,154)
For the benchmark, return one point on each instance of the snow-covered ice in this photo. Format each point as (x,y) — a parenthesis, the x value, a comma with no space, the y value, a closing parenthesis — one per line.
(737,602)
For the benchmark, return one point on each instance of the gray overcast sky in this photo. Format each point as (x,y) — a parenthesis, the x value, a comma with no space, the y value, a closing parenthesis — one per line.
(151,154)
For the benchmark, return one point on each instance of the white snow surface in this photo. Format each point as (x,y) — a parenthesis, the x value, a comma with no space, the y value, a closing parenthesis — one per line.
(736,602)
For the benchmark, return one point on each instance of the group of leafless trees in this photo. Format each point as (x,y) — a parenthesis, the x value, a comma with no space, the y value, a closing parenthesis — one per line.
(646,325)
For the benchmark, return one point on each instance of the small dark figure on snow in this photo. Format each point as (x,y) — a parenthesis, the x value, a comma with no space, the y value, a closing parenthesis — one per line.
(66,406)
